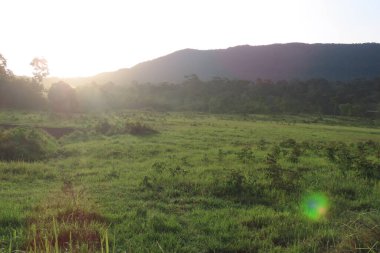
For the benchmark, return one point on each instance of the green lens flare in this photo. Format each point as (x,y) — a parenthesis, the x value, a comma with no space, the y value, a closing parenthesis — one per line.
(315,206)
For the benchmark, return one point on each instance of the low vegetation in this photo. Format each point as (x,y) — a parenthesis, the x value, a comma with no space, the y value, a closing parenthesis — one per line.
(135,128)
(25,144)
(201,183)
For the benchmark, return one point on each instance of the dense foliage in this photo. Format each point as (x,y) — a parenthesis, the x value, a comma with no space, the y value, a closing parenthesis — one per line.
(62,97)
(18,92)
(358,97)
(21,93)
(316,96)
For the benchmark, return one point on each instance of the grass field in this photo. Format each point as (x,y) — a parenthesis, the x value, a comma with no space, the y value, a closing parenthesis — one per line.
(137,181)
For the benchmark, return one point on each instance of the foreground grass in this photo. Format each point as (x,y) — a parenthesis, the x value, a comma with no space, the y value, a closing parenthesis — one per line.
(202,183)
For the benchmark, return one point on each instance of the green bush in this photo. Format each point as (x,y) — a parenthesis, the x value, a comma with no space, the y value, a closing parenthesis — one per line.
(288,143)
(133,128)
(138,128)
(26,144)
(78,135)
(103,127)
(245,155)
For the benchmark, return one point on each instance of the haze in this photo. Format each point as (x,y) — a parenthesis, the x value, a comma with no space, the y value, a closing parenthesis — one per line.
(81,38)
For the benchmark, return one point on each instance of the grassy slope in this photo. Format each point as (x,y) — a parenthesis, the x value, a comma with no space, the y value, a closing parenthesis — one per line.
(186,189)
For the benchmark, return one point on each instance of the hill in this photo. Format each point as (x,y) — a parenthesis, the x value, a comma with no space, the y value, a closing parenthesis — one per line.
(275,62)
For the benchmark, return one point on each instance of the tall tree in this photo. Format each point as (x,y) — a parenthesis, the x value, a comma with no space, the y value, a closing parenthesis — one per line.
(4,71)
(41,70)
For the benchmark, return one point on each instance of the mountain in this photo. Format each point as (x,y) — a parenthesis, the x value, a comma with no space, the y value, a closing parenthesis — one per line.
(276,62)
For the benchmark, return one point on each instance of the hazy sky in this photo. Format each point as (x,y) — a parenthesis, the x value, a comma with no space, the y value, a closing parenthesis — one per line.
(80,38)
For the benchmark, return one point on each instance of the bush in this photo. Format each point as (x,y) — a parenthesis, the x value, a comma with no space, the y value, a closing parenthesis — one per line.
(367,168)
(288,143)
(26,144)
(235,183)
(262,144)
(134,128)
(246,155)
(295,154)
(137,128)
(78,135)
(103,127)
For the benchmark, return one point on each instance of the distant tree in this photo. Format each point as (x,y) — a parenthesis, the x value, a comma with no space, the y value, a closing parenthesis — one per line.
(17,92)
(3,66)
(345,109)
(4,71)
(41,70)
(62,97)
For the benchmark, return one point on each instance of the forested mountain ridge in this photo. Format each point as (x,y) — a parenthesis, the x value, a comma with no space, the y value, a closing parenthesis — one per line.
(275,62)
(359,96)
(336,62)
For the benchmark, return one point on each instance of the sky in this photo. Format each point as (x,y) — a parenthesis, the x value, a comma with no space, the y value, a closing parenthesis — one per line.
(87,37)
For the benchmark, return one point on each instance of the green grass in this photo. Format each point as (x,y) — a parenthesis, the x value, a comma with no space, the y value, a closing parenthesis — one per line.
(201,183)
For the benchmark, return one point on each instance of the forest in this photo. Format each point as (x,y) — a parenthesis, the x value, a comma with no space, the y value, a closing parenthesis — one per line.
(358,97)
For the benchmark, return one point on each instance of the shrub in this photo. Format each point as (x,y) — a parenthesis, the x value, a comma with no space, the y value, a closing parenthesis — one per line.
(78,135)
(134,128)
(232,184)
(246,155)
(345,157)
(288,143)
(159,167)
(174,171)
(282,179)
(330,152)
(27,144)
(295,154)
(221,155)
(161,224)
(103,127)
(276,151)
(235,182)
(367,168)
(137,128)
(262,144)
(271,160)
(238,186)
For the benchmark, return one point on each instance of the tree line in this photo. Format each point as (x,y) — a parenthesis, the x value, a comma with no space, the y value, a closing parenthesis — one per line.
(359,97)
(21,92)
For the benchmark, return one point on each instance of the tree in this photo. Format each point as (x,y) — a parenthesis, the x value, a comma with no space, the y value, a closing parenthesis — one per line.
(4,71)
(41,70)
(345,109)
(3,65)
(62,97)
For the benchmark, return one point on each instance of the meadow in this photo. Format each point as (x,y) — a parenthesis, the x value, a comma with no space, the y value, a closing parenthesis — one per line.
(143,181)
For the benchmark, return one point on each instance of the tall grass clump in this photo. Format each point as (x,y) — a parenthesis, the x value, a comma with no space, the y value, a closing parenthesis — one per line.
(361,234)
